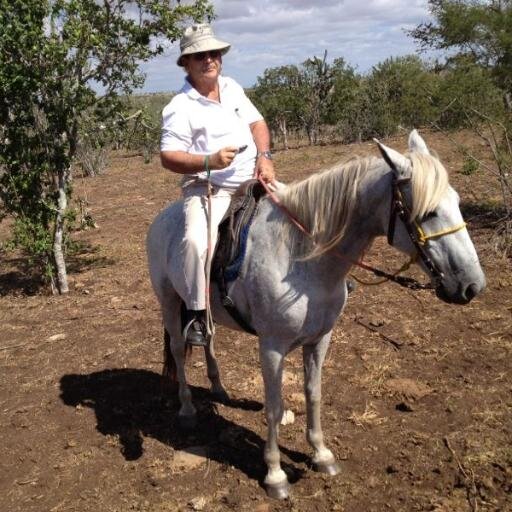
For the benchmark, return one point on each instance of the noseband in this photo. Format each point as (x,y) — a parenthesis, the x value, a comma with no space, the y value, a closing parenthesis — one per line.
(419,238)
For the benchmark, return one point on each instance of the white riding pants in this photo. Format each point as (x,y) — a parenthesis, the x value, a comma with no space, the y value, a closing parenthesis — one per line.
(191,285)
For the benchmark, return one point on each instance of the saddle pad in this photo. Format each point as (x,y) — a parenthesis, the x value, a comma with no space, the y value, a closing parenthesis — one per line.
(233,231)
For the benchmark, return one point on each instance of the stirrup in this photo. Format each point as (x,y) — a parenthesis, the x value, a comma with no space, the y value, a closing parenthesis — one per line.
(193,336)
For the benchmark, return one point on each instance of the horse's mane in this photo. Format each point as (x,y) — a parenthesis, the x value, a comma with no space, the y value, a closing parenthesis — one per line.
(325,201)
(429,184)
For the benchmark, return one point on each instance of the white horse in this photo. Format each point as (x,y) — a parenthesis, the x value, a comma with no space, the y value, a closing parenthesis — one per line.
(292,288)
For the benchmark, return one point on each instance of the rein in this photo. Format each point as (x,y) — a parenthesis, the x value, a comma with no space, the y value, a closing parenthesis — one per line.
(210,326)
(417,235)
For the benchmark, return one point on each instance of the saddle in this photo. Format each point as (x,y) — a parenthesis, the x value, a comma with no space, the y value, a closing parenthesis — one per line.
(232,242)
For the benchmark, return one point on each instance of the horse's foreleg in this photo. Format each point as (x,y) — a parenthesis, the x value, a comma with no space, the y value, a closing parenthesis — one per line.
(217,389)
(187,414)
(313,357)
(276,481)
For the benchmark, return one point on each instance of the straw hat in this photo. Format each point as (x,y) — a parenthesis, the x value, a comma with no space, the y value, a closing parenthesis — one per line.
(200,38)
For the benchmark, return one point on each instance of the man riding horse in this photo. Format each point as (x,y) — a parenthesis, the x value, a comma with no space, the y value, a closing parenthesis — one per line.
(210,125)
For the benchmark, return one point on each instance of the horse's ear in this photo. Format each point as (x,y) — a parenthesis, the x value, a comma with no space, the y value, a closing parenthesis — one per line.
(398,163)
(416,143)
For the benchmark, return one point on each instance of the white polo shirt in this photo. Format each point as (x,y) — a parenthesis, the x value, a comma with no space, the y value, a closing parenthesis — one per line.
(201,126)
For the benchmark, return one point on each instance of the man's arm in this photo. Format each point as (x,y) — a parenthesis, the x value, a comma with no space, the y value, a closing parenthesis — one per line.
(264,166)
(186,163)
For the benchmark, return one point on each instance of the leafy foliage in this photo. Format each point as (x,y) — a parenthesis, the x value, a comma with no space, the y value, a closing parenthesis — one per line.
(481,31)
(469,166)
(279,96)
(400,93)
(304,97)
(93,147)
(397,92)
(465,90)
(327,88)
(477,36)
(54,54)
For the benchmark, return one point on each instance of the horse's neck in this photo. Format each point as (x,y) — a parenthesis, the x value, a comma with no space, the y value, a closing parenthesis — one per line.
(368,221)
(371,216)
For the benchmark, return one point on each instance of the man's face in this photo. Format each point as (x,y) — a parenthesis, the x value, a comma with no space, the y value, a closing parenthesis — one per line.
(203,66)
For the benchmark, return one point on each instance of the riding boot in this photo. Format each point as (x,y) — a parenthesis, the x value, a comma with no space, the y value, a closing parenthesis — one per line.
(194,331)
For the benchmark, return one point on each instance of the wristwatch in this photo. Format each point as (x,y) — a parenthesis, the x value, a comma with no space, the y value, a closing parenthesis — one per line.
(266,154)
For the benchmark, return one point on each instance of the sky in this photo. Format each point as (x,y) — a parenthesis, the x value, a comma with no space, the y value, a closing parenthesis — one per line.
(269,33)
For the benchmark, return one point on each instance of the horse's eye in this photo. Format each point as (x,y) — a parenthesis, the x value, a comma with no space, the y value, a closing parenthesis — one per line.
(430,215)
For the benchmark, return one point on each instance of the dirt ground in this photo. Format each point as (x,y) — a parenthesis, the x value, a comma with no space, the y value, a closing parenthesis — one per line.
(417,402)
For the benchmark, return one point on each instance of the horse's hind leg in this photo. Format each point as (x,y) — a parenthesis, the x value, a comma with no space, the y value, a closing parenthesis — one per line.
(217,389)
(169,373)
(178,351)
(276,481)
(313,357)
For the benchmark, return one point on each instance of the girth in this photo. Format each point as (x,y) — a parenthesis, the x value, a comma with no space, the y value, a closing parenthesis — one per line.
(232,243)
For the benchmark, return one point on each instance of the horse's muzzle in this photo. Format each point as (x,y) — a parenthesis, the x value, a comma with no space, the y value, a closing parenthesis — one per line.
(464,293)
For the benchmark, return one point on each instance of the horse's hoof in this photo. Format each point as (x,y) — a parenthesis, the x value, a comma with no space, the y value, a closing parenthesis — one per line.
(188,422)
(221,397)
(280,491)
(329,468)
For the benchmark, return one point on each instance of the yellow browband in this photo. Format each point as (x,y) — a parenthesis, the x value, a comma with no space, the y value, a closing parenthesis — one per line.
(423,238)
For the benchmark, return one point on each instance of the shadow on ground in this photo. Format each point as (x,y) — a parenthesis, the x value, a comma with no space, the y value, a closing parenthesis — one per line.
(24,276)
(87,257)
(132,404)
(20,276)
(482,214)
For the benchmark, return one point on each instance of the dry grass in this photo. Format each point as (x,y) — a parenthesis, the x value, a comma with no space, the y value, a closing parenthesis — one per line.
(379,366)
(368,418)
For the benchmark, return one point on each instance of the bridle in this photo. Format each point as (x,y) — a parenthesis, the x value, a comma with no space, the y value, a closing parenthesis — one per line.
(419,238)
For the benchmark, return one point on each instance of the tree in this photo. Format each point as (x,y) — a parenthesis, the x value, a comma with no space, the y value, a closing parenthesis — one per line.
(400,94)
(303,96)
(479,30)
(320,79)
(279,97)
(479,34)
(343,108)
(317,76)
(466,91)
(53,55)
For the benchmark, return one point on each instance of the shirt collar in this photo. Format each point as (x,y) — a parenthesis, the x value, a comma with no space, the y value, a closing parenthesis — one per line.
(193,94)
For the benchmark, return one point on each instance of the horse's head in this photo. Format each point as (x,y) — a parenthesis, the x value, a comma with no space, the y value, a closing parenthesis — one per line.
(426,222)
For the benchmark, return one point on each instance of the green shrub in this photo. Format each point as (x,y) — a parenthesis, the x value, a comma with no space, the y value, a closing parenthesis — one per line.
(465,90)
(400,95)
(469,166)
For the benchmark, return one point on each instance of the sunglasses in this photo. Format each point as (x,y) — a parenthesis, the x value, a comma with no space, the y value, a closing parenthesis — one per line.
(213,54)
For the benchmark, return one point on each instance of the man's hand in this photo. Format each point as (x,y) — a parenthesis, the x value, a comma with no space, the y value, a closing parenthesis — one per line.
(222,158)
(265,170)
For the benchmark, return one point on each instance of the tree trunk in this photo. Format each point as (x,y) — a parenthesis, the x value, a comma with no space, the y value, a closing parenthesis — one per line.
(284,132)
(309,131)
(58,238)
(508,101)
